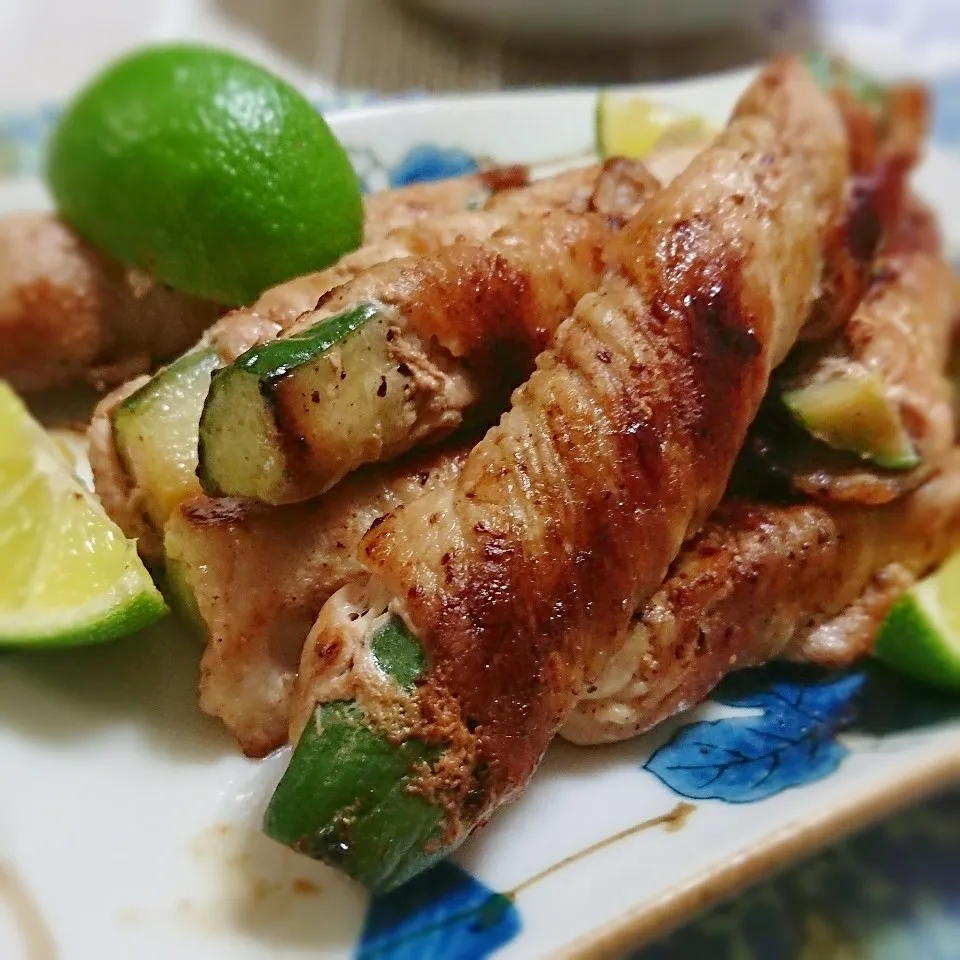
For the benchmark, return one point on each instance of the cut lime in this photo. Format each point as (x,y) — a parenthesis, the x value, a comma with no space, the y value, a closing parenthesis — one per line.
(921,634)
(68,576)
(205,170)
(631,126)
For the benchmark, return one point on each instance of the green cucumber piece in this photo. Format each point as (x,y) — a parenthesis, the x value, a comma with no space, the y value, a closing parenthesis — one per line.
(155,433)
(179,595)
(853,413)
(345,797)
(398,653)
(289,419)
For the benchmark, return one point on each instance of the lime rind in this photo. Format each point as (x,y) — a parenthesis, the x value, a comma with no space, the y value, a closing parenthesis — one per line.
(71,577)
(128,609)
(240,184)
(921,634)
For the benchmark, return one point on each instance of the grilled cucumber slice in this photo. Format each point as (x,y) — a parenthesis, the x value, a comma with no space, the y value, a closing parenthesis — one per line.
(155,433)
(852,412)
(288,419)
(346,799)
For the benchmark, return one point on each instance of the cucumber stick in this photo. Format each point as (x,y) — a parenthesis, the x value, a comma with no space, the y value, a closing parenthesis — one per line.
(853,412)
(155,433)
(345,798)
(290,418)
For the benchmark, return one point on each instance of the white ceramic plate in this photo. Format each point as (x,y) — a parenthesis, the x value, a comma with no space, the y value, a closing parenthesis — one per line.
(128,822)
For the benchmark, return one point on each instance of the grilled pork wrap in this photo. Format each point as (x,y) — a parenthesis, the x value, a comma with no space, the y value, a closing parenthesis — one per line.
(399,355)
(253,579)
(144,435)
(807,581)
(873,407)
(496,599)
(221,546)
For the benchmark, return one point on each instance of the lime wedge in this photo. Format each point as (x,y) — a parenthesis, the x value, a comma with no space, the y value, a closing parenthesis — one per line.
(921,634)
(68,575)
(631,126)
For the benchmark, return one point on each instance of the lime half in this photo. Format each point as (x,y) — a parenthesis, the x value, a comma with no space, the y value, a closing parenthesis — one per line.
(68,575)
(921,634)
(632,126)
(205,170)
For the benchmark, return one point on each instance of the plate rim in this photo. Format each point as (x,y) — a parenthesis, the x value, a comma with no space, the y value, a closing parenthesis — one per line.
(417,101)
(683,903)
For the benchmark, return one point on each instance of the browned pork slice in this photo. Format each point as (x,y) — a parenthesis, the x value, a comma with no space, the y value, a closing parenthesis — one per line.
(889,363)
(810,582)
(886,142)
(520,577)
(615,189)
(68,313)
(391,235)
(389,210)
(254,579)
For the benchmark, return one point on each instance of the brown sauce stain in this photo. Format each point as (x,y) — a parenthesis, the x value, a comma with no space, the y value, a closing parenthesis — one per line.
(673,821)
(256,887)
(304,887)
(35,934)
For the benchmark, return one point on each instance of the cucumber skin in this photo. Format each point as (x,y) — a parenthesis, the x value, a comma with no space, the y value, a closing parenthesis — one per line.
(188,362)
(180,597)
(345,798)
(128,416)
(266,365)
(280,357)
(398,653)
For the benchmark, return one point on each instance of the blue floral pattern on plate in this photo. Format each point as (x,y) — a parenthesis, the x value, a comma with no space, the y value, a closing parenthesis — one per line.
(791,741)
(428,162)
(445,915)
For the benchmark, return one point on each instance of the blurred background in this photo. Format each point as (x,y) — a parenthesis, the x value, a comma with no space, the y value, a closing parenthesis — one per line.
(345,51)
(393,46)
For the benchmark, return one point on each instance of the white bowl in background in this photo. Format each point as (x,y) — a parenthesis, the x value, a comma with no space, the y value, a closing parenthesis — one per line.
(604,19)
